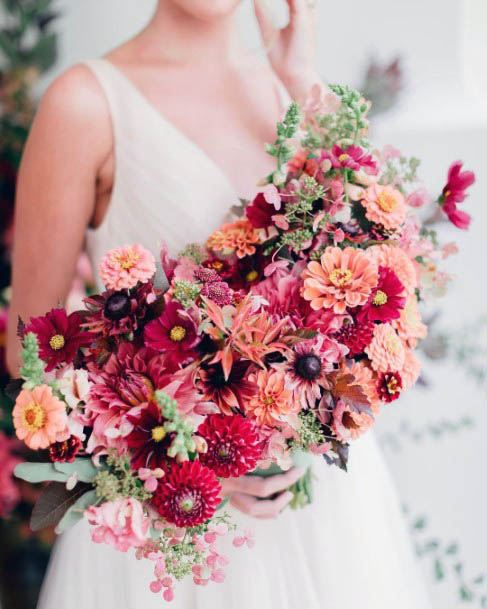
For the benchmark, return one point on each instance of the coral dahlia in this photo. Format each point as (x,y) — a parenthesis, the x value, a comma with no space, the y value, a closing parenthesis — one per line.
(386,351)
(233,443)
(272,403)
(188,495)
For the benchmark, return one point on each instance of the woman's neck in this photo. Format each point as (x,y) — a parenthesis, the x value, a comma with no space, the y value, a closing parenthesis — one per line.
(174,35)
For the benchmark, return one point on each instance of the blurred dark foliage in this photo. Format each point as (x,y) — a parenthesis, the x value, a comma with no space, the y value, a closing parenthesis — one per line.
(383,85)
(28,48)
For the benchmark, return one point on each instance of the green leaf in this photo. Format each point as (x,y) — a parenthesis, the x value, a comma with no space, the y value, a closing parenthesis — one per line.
(44,54)
(53,504)
(465,594)
(439,570)
(75,513)
(83,468)
(39,472)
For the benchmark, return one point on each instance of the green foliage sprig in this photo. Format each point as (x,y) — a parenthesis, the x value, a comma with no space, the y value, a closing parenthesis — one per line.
(286,130)
(32,370)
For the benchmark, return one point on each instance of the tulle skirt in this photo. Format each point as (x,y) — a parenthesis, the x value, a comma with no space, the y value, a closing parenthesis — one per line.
(348,550)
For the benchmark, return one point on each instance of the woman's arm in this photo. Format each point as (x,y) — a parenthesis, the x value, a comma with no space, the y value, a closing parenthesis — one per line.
(68,144)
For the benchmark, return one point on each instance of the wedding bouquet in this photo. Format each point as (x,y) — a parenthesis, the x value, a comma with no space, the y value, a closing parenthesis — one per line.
(285,334)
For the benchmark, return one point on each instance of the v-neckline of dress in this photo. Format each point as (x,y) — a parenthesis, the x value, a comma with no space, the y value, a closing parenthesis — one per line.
(163,120)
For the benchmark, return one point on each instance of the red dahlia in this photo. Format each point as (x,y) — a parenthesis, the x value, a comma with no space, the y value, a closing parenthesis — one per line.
(65,452)
(233,445)
(386,300)
(59,336)
(188,495)
(389,386)
(356,336)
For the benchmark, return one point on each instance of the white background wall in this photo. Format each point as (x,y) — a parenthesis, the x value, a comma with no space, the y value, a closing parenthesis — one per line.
(442,117)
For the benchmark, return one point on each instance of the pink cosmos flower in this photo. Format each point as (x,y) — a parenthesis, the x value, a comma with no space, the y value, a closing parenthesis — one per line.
(454,192)
(353,157)
(120,523)
(343,278)
(386,300)
(384,205)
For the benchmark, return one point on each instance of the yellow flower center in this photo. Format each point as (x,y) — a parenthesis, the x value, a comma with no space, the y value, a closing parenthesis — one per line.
(393,344)
(340,277)
(34,417)
(217,265)
(128,260)
(158,433)
(268,400)
(392,386)
(343,157)
(380,298)
(57,342)
(177,334)
(447,193)
(251,276)
(387,201)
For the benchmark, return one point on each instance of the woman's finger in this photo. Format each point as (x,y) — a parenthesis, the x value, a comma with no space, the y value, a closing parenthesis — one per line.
(264,19)
(267,509)
(263,487)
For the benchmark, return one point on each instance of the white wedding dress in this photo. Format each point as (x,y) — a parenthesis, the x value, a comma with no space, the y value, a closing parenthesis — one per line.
(349,549)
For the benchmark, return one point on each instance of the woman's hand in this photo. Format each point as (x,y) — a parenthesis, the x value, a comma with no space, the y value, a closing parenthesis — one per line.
(262,498)
(292,50)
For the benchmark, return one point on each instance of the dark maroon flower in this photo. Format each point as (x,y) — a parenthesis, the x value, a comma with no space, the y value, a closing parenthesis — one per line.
(389,386)
(233,443)
(65,452)
(219,292)
(60,337)
(260,212)
(454,192)
(386,300)
(206,275)
(188,495)
(148,441)
(173,333)
(356,335)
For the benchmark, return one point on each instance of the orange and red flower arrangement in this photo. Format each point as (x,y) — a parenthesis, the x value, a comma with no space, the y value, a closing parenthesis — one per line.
(287,332)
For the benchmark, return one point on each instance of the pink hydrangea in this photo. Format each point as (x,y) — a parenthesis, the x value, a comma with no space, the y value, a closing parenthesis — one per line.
(120,523)
(124,267)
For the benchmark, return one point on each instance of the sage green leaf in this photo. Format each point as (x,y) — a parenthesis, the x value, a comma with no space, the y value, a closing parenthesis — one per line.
(39,472)
(53,503)
(83,468)
(75,513)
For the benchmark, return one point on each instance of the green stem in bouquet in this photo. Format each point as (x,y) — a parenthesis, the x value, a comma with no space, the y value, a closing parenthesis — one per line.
(286,130)
(32,370)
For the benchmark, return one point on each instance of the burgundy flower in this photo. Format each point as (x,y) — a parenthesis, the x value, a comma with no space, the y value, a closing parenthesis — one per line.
(356,335)
(116,313)
(455,191)
(224,268)
(206,275)
(353,157)
(260,212)
(148,442)
(188,495)
(60,337)
(219,292)
(228,394)
(174,333)
(65,452)
(386,300)
(389,386)
(234,446)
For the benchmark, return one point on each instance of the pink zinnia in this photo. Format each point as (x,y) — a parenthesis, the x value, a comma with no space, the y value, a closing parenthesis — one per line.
(455,191)
(124,267)
(384,205)
(343,278)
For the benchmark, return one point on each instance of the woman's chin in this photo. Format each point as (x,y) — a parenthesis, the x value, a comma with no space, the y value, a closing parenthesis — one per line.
(208,10)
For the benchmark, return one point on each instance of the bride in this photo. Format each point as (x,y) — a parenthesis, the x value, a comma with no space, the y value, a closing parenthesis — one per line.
(155,142)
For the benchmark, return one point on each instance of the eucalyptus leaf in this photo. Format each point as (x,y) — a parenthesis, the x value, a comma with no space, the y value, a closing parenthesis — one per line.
(53,503)
(83,468)
(75,513)
(39,472)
